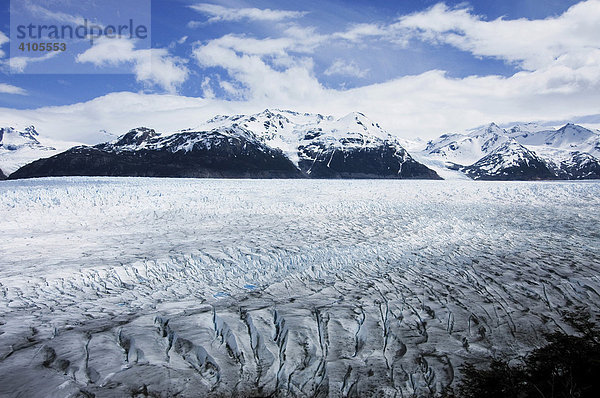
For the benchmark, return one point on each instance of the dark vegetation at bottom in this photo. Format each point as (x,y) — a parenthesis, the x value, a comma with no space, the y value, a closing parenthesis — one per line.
(568,366)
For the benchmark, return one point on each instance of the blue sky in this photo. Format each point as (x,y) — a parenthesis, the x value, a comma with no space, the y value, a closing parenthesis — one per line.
(419,67)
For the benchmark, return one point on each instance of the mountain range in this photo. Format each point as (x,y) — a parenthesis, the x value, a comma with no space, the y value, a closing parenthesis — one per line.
(287,144)
(270,144)
(522,152)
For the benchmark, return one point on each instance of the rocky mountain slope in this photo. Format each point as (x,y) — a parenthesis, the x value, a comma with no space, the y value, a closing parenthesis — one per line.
(510,161)
(144,152)
(270,144)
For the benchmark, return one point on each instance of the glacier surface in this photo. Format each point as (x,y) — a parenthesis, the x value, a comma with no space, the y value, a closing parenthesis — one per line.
(115,287)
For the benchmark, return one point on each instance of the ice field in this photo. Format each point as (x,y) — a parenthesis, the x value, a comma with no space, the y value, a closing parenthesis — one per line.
(113,287)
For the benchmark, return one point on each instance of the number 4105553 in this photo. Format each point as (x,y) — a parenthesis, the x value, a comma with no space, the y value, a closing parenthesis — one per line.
(42,46)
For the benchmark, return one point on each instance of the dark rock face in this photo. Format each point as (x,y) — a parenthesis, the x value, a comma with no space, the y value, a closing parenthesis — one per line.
(224,153)
(2,176)
(580,166)
(386,161)
(193,154)
(511,161)
(136,137)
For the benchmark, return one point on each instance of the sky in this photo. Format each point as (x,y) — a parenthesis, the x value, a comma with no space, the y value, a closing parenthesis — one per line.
(419,68)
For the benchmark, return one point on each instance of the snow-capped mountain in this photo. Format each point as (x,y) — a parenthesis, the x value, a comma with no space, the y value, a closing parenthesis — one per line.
(570,137)
(295,133)
(272,143)
(19,147)
(574,165)
(570,152)
(509,161)
(326,147)
(467,149)
(221,152)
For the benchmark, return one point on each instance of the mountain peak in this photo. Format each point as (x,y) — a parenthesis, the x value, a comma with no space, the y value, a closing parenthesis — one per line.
(136,136)
(510,161)
(494,128)
(488,129)
(574,127)
(11,139)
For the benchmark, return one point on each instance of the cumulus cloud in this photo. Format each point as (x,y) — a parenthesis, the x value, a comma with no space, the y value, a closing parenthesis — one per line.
(217,13)
(151,66)
(260,80)
(531,44)
(116,113)
(344,68)
(423,105)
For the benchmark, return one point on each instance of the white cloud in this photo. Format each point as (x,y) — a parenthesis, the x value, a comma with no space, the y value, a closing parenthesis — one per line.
(151,66)
(259,79)
(19,64)
(3,41)
(298,42)
(358,33)
(10,89)
(207,90)
(531,44)
(217,13)
(117,113)
(111,52)
(560,70)
(423,105)
(344,68)
(43,12)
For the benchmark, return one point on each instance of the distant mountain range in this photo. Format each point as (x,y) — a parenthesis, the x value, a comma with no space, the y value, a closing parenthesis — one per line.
(19,147)
(286,144)
(522,152)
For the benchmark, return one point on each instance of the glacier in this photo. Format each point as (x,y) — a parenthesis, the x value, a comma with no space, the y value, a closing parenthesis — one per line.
(115,287)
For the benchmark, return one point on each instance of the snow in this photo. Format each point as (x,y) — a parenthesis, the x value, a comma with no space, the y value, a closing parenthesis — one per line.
(510,154)
(126,286)
(288,130)
(19,147)
(441,167)
(554,146)
(467,149)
